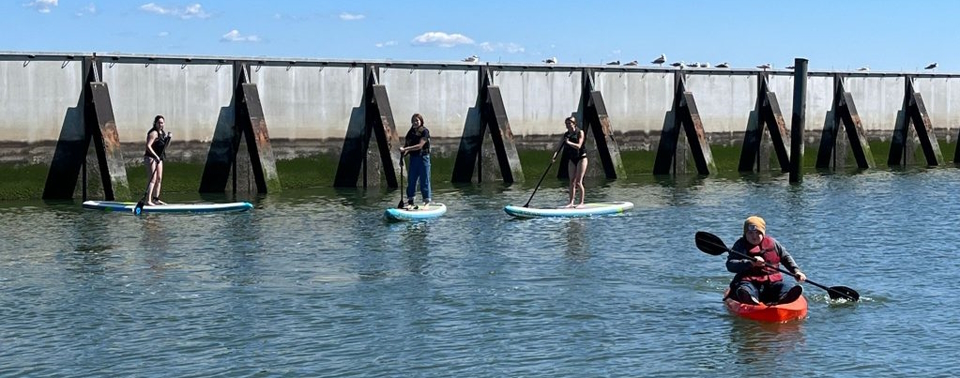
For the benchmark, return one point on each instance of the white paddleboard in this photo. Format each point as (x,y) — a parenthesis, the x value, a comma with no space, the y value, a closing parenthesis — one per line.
(586,210)
(128,207)
(434,210)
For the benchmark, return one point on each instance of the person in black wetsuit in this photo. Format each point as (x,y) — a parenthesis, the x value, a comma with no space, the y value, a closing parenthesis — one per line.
(156,145)
(576,154)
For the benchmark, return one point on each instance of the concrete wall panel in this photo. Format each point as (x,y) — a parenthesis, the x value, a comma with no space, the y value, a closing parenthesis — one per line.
(537,102)
(308,102)
(189,97)
(35,98)
(442,97)
(636,101)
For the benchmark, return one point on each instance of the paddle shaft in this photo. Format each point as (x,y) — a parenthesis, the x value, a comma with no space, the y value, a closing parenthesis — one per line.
(554,158)
(788,272)
(400,205)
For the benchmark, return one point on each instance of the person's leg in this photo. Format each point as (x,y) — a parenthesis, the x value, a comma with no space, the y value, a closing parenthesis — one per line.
(425,181)
(151,166)
(746,292)
(415,167)
(581,171)
(571,175)
(786,293)
(156,187)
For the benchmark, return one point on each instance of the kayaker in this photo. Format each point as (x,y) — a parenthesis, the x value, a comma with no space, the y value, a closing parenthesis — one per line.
(756,282)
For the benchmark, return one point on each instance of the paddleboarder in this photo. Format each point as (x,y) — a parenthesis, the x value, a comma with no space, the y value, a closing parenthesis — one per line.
(156,144)
(417,145)
(576,154)
(758,279)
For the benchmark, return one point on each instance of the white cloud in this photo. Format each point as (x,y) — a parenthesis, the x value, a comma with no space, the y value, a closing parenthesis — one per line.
(511,47)
(441,39)
(234,36)
(87,10)
(387,43)
(351,17)
(191,11)
(42,6)
(163,34)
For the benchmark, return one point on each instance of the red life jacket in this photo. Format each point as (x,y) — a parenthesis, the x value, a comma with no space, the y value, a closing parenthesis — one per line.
(768,250)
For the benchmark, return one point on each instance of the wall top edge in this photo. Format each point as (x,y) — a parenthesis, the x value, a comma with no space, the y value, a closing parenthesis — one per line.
(113,58)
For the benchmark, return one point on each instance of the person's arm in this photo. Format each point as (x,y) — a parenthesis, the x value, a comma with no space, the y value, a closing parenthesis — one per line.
(152,137)
(736,263)
(579,143)
(417,147)
(789,263)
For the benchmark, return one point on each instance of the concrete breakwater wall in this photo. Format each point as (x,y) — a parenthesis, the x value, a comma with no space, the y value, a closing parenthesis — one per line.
(309,105)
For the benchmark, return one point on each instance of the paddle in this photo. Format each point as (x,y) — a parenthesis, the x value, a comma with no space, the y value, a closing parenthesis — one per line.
(553,159)
(713,245)
(400,205)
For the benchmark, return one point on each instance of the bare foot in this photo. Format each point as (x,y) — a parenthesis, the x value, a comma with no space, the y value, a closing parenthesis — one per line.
(148,203)
(579,206)
(569,205)
(159,202)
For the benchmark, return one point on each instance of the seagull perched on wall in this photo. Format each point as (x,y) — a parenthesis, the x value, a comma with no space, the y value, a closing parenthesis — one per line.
(471,59)
(864,68)
(765,66)
(705,65)
(614,63)
(723,65)
(552,60)
(660,60)
(931,66)
(677,64)
(790,67)
(632,63)
(694,65)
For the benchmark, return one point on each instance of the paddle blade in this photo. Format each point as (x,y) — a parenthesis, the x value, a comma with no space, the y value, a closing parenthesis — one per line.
(843,292)
(139,208)
(710,243)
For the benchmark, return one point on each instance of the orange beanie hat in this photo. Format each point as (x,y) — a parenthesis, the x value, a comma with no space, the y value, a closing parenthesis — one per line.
(755,223)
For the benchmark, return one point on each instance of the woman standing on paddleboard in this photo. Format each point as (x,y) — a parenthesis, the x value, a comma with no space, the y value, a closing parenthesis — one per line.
(576,154)
(157,142)
(417,145)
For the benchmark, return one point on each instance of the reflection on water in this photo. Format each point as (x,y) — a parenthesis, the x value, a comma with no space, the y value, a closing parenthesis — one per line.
(756,343)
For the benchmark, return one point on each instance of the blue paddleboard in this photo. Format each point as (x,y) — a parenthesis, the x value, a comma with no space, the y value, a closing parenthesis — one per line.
(434,210)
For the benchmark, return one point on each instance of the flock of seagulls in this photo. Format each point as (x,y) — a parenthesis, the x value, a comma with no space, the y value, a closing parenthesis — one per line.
(660,60)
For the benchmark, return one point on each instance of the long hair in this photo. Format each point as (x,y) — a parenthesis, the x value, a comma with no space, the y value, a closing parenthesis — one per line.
(156,120)
(419,117)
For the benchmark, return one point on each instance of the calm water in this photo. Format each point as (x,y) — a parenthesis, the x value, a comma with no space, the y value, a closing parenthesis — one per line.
(317,284)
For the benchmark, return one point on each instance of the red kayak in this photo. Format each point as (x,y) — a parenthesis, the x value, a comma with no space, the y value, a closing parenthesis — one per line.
(779,313)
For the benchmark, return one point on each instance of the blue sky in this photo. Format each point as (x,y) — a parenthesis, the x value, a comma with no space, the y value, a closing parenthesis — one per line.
(833,35)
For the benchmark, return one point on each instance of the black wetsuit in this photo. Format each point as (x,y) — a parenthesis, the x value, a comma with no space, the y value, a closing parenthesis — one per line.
(572,154)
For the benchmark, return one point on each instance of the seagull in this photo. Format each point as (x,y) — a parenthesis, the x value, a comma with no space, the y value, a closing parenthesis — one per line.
(790,67)
(694,65)
(723,65)
(471,59)
(660,60)
(552,60)
(864,68)
(614,63)
(705,65)
(765,66)
(632,63)
(931,66)
(677,64)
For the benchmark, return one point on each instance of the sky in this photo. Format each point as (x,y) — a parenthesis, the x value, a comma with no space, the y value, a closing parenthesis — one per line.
(881,35)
